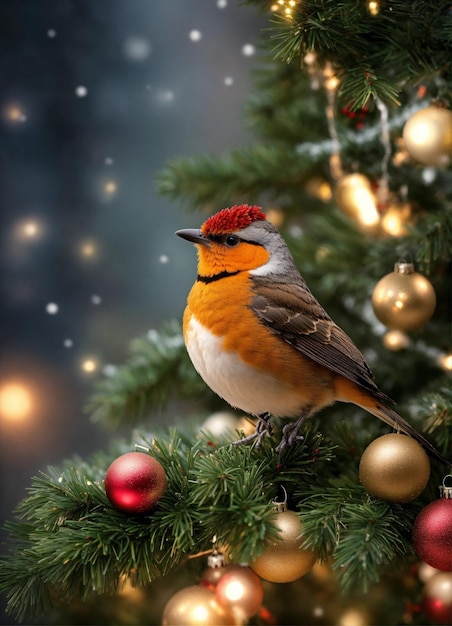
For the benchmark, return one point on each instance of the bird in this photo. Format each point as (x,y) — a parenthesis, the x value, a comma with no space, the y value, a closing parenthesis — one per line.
(259,338)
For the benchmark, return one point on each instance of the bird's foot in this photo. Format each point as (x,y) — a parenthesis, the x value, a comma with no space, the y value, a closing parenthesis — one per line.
(263,428)
(290,434)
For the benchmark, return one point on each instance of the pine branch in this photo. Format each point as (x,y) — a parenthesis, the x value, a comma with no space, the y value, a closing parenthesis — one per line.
(402,43)
(223,181)
(70,543)
(158,369)
(435,411)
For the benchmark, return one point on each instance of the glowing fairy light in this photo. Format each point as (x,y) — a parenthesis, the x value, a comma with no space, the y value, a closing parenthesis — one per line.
(16,401)
(81,91)
(137,49)
(445,362)
(52,308)
(29,229)
(89,365)
(195,35)
(373,7)
(285,7)
(88,249)
(15,114)
(248,50)
(110,188)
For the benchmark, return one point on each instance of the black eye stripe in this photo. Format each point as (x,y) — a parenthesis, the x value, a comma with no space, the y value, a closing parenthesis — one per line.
(223,238)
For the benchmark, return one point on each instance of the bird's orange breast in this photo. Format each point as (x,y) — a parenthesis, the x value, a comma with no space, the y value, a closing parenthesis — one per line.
(222,307)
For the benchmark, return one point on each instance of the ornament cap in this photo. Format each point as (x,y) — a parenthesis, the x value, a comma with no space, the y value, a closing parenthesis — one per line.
(216,559)
(402,267)
(445,490)
(279,507)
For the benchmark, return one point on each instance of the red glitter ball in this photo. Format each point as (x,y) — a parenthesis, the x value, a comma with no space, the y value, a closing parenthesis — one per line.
(134,482)
(230,220)
(432,534)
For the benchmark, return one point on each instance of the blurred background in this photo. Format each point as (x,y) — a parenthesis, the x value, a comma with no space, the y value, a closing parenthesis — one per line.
(95,97)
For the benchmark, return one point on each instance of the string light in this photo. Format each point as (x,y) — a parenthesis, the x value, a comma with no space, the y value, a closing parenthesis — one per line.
(445,362)
(110,187)
(89,365)
(88,249)
(396,340)
(15,114)
(16,402)
(395,220)
(373,7)
(29,229)
(285,7)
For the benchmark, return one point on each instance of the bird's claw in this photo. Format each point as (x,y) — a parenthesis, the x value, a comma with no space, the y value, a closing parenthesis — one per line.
(263,428)
(289,436)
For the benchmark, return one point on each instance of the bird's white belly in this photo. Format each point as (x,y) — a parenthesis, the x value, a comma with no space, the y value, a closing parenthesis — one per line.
(241,385)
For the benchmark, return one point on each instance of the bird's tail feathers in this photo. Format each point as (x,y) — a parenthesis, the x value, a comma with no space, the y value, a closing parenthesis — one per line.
(395,420)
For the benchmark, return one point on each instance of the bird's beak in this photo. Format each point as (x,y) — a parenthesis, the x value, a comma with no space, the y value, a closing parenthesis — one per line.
(194,235)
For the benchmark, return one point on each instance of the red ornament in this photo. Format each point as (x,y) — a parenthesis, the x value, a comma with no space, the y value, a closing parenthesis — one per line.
(432,532)
(438,598)
(134,482)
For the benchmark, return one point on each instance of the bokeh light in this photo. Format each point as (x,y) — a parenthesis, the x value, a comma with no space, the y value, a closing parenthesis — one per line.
(16,401)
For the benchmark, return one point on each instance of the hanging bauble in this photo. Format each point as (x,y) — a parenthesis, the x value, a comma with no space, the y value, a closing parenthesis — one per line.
(445,361)
(404,299)
(134,482)
(432,532)
(275,216)
(240,590)
(396,218)
(356,199)
(395,468)
(437,599)
(284,559)
(216,567)
(426,571)
(396,340)
(221,425)
(196,606)
(428,136)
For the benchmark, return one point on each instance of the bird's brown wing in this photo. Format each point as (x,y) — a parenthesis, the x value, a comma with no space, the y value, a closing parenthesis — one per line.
(291,311)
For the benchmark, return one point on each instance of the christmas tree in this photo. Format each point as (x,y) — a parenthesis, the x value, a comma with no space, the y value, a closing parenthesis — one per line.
(353,127)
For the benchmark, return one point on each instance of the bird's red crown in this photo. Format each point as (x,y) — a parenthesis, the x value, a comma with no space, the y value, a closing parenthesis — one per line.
(230,220)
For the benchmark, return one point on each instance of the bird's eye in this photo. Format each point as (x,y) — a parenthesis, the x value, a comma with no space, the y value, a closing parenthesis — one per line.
(232,240)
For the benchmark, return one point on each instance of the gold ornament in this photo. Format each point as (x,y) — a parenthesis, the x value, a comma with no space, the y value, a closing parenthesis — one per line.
(445,361)
(437,599)
(275,216)
(196,606)
(240,590)
(395,468)
(426,571)
(356,199)
(404,299)
(216,567)
(428,136)
(221,425)
(283,559)
(395,340)
(396,218)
